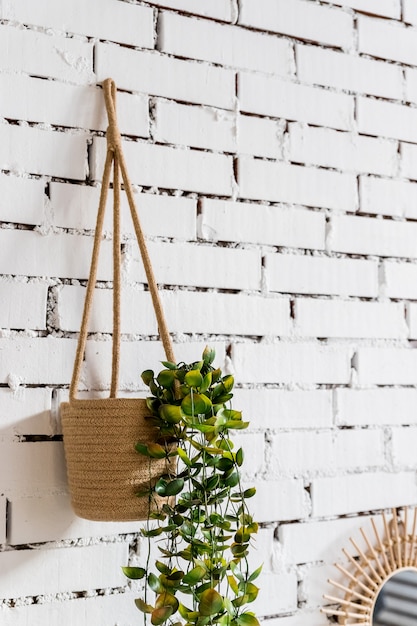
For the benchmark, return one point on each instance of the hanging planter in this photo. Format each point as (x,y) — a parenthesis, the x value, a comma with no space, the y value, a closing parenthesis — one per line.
(104,471)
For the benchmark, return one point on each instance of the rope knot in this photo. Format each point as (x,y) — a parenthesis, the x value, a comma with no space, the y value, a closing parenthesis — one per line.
(114,141)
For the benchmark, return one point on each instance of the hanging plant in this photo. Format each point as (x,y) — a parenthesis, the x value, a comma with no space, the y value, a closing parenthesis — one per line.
(202,525)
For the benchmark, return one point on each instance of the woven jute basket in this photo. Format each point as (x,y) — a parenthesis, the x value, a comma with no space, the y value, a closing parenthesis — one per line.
(105,473)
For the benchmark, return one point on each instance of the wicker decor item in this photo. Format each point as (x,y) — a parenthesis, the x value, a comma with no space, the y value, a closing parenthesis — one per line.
(104,470)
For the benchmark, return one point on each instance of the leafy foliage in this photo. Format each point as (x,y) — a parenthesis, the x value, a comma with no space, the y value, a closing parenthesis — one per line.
(204,535)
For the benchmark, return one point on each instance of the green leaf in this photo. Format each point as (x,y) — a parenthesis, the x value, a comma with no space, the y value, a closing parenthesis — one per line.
(170,413)
(228,382)
(151,533)
(167,599)
(210,603)
(142,606)
(207,380)
(209,355)
(134,573)
(249,493)
(161,615)
(247,619)
(164,569)
(239,457)
(193,378)
(165,487)
(156,451)
(166,378)
(194,575)
(255,574)
(233,584)
(232,480)
(184,457)
(196,404)
(242,536)
(142,449)
(155,584)
(169,365)
(147,376)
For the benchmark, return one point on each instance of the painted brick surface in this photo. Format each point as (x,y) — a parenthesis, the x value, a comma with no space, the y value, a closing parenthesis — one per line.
(217,9)
(387,40)
(386,366)
(260,136)
(387,197)
(22,199)
(409,12)
(386,119)
(362,407)
(386,8)
(289,501)
(26,411)
(408,160)
(300,19)
(3,505)
(23,305)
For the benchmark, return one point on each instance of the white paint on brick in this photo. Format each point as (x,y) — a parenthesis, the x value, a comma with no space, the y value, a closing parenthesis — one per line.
(3,505)
(366,235)
(260,136)
(277,594)
(36,572)
(403,442)
(346,151)
(293,273)
(387,8)
(120,21)
(39,151)
(21,199)
(235,47)
(170,168)
(408,163)
(160,75)
(384,196)
(194,126)
(387,40)
(51,255)
(363,407)
(386,366)
(253,446)
(186,311)
(80,106)
(409,12)
(300,19)
(343,318)
(412,319)
(26,412)
(411,85)
(275,225)
(75,206)
(282,182)
(217,9)
(50,518)
(342,495)
(314,583)
(23,305)
(333,69)
(66,59)
(267,95)
(281,500)
(106,610)
(301,618)
(304,363)
(36,361)
(186,264)
(386,119)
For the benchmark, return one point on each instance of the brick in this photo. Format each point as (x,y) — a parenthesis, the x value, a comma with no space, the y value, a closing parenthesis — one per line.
(408,163)
(275,225)
(403,447)
(136,356)
(314,583)
(253,446)
(366,235)
(320,540)
(64,58)
(346,151)
(3,505)
(279,408)
(51,102)
(75,206)
(344,318)
(39,151)
(320,275)
(362,407)
(277,594)
(41,572)
(260,136)
(282,182)
(23,305)
(397,279)
(362,492)
(217,9)
(382,196)
(194,126)
(257,315)
(50,518)
(170,168)
(304,363)
(160,75)
(185,264)
(36,361)
(267,95)
(301,618)
(235,47)
(386,366)
(104,610)
(386,119)
(300,19)
(387,8)
(410,85)
(121,22)
(51,255)
(281,500)
(409,12)
(359,449)
(26,412)
(334,69)
(32,468)
(21,200)
(387,40)
(412,319)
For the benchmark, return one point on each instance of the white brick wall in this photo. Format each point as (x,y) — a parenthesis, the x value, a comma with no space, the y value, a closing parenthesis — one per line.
(273,151)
